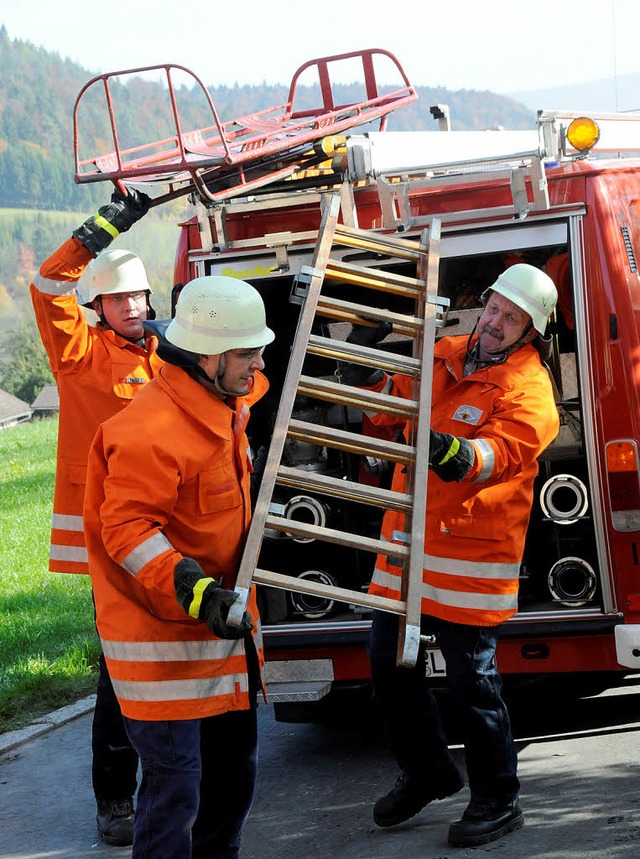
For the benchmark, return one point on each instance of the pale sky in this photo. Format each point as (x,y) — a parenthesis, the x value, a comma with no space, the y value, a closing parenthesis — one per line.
(498,45)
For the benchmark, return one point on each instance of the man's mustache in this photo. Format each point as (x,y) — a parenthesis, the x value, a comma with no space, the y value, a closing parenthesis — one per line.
(492,332)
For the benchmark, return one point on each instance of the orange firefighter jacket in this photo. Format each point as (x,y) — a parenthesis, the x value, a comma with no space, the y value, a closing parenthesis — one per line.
(169,478)
(475,529)
(97,372)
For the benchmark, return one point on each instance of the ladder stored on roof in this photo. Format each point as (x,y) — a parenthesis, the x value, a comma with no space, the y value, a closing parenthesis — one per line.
(420,327)
(220,160)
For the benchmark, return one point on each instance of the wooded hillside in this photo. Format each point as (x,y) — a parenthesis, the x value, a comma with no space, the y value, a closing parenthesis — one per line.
(40,204)
(38,90)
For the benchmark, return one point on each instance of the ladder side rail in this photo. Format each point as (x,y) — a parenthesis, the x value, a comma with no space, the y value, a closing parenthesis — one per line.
(254,536)
(418,476)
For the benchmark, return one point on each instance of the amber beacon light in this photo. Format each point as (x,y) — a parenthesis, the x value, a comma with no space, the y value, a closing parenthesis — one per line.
(583,133)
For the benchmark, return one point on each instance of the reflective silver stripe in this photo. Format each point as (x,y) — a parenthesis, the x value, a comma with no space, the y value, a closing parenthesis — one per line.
(172,651)
(179,690)
(455,599)
(385,390)
(54,287)
(452,567)
(472,569)
(399,537)
(68,553)
(488,459)
(464,599)
(383,579)
(257,635)
(145,552)
(66,522)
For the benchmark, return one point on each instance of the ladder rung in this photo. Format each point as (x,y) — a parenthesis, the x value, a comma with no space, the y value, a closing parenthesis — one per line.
(374,401)
(365,445)
(317,589)
(392,245)
(340,350)
(347,489)
(342,538)
(358,314)
(374,278)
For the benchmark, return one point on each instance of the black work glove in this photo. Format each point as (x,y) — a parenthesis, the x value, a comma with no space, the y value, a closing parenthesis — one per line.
(204,598)
(116,217)
(364,335)
(450,457)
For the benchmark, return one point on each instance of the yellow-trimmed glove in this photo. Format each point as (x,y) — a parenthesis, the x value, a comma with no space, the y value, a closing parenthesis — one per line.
(451,457)
(116,217)
(205,599)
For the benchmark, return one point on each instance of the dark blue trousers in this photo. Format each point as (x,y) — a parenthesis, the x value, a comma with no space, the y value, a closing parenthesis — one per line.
(198,779)
(411,716)
(114,762)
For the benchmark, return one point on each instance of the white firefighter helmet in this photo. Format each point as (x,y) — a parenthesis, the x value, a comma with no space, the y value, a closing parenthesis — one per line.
(217,313)
(113,271)
(531,289)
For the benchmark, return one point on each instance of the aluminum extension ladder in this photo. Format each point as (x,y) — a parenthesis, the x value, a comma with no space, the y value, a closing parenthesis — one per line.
(421,327)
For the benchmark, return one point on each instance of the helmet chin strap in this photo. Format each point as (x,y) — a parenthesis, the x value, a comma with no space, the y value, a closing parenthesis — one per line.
(222,366)
(216,381)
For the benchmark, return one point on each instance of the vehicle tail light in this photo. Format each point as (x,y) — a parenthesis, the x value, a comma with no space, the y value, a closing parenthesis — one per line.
(624,484)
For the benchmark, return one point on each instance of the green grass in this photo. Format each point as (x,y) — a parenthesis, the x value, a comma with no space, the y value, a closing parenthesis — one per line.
(48,643)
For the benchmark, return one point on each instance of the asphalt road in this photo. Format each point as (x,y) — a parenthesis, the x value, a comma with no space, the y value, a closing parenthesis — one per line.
(579,766)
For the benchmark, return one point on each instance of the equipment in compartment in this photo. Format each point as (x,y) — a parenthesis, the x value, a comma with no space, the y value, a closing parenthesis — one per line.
(564,499)
(572,582)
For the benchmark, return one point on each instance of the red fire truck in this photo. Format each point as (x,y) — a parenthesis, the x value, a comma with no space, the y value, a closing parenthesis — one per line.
(564,196)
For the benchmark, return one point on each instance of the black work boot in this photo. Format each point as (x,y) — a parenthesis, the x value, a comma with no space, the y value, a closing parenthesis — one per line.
(411,793)
(115,821)
(484,822)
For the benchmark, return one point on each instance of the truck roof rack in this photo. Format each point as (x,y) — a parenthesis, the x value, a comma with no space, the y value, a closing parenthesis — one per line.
(223,159)
(405,163)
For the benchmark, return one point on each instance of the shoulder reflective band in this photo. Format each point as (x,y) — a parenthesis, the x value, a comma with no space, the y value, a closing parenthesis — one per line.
(107,226)
(198,589)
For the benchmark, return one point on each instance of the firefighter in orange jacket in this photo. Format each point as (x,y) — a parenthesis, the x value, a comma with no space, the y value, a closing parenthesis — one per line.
(166,511)
(98,369)
(493,413)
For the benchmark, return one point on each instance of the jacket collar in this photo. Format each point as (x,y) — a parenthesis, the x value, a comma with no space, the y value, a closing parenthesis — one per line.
(510,374)
(204,406)
(108,333)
